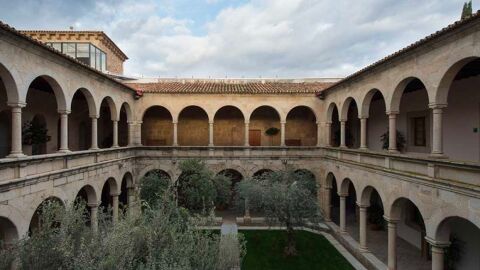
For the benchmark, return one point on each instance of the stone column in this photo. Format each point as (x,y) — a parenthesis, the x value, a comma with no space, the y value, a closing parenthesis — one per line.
(94,145)
(131,200)
(363,133)
(319,134)
(175,133)
(363,227)
(247,130)
(16,150)
(282,133)
(93,216)
(328,206)
(247,218)
(115,133)
(328,134)
(342,133)
(64,132)
(131,132)
(438,252)
(115,207)
(392,243)
(392,132)
(210,133)
(343,214)
(437,136)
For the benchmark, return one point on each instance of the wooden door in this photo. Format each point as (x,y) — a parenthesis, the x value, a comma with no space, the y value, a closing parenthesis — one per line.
(255,137)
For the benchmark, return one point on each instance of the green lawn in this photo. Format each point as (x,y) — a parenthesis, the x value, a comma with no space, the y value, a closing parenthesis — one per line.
(265,251)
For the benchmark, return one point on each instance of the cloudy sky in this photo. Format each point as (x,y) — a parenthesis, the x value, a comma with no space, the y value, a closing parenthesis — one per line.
(242,38)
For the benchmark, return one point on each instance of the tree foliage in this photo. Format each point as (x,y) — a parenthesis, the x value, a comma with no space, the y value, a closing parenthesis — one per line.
(199,189)
(163,237)
(153,187)
(467,10)
(285,197)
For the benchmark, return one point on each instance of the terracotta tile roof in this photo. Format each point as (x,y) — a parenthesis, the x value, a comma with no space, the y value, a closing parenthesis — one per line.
(215,87)
(12,30)
(99,34)
(446,30)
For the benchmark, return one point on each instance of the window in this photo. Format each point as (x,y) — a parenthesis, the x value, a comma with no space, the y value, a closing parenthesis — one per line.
(419,131)
(83,52)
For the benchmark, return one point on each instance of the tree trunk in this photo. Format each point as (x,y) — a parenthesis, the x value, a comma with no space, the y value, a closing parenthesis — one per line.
(290,249)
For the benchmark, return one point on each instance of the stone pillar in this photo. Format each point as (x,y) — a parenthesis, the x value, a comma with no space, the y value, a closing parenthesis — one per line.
(438,252)
(131,200)
(131,132)
(343,213)
(175,133)
(363,227)
(319,134)
(115,133)
(282,133)
(437,136)
(392,132)
(16,150)
(210,133)
(328,206)
(342,133)
(64,132)
(94,145)
(363,133)
(93,216)
(115,207)
(328,134)
(392,243)
(247,218)
(247,130)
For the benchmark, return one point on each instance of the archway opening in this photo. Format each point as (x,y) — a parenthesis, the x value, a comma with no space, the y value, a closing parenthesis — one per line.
(351,207)
(464,238)
(229,127)
(462,114)
(39,130)
(301,127)
(414,121)
(235,177)
(411,231)
(108,191)
(352,126)
(5,122)
(335,128)
(123,127)
(310,180)
(126,191)
(8,233)
(264,128)
(193,127)
(157,127)
(153,186)
(377,123)
(87,198)
(79,122)
(262,173)
(105,123)
(38,220)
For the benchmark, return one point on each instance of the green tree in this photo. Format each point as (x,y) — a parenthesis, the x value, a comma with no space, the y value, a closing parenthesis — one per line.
(467,10)
(285,197)
(199,189)
(153,187)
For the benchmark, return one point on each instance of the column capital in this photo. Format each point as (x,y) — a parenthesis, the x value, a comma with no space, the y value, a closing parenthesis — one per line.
(210,122)
(283,122)
(342,194)
(391,220)
(116,194)
(437,243)
(175,122)
(92,205)
(436,106)
(343,121)
(17,104)
(247,122)
(92,116)
(363,117)
(115,120)
(362,205)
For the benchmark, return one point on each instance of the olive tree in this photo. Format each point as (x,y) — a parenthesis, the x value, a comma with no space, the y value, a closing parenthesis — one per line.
(285,197)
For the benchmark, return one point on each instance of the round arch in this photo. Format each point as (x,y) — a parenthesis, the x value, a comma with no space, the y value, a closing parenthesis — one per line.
(114,113)
(57,89)
(441,96)
(229,126)
(301,127)
(35,219)
(345,107)
(364,110)
(91,103)
(262,172)
(330,110)
(265,118)
(157,126)
(128,111)
(10,85)
(88,194)
(277,113)
(8,232)
(193,126)
(396,97)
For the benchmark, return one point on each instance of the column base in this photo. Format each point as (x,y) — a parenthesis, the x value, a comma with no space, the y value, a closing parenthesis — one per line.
(438,155)
(363,249)
(115,146)
(94,149)
(16,155)
(363,148)
(393,151)
(64,151)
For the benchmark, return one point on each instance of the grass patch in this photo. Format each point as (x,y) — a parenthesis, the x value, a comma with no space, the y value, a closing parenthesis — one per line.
(265,251)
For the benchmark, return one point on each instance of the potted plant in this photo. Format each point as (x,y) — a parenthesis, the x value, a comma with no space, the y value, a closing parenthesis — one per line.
(400,141)
(272,132)
(35,134)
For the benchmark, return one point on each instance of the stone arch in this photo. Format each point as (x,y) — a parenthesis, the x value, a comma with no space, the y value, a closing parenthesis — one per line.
(303,106)
(261,172)
(10,85)
(162,167)
(364,110)
(395,208)
(329,180)
(159,172)
(441,96)
(366,193)
(58,91)
(261,119)
(344,186)
(124,118)
(330,110)
(90,194)
(91,103)
(301,127)
(157,126)
(345,106)
(393,105)
(229,126)
(35,219)
(8,232)
(114,113)
(128,111)
(193,126)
